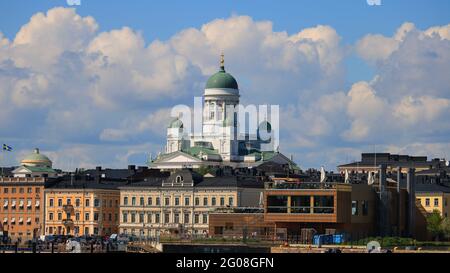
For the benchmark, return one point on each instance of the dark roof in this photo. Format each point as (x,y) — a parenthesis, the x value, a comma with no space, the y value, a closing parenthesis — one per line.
(143,174)
(110,173)
(432,187)
(207,182)
(83,182)
(7,171)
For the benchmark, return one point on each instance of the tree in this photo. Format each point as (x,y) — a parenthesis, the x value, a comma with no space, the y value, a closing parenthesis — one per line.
(445,225)
(434,224)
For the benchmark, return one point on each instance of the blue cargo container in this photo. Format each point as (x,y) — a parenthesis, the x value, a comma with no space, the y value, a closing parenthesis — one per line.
(328,239)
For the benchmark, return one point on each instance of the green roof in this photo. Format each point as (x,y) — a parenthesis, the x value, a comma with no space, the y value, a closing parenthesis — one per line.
(222,79)
(40,169)
(195,151)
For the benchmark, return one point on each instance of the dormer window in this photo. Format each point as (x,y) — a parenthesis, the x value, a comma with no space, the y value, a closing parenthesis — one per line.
(179,179)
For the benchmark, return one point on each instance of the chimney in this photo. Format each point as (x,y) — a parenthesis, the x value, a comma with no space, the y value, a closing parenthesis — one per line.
(98,174)
(411,189)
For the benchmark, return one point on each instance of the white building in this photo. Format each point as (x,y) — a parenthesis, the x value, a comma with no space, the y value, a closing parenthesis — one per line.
(218,143)
(35,165)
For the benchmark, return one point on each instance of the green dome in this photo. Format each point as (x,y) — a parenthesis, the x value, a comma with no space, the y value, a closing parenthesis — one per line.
(176,123)
(36,159)
(222,79)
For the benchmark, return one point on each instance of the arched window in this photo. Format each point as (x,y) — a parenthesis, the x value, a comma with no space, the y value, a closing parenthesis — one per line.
(179,179)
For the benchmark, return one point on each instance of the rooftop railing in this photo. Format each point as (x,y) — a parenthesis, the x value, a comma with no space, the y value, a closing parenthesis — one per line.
(302,185)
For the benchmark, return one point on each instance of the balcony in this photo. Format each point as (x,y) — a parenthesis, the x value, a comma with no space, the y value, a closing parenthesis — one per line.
(68,208)
(67,222)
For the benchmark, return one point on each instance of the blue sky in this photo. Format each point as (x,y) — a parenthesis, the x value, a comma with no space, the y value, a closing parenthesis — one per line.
(330,144)
(161,19)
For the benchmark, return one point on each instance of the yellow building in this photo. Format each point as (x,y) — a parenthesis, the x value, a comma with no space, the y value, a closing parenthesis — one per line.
(181,203)
(82,206)
(434,197)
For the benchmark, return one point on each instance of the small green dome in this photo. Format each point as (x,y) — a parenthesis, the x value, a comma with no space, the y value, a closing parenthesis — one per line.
(36,158)
(222,79)
(176,123)
(265,126)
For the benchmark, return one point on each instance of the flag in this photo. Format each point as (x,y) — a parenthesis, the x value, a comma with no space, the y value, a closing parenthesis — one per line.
(7,148)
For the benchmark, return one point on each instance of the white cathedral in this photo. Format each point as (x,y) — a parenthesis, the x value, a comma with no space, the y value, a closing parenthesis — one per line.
(219,143)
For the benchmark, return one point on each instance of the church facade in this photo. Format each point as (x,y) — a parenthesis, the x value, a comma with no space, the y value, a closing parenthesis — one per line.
(220,141)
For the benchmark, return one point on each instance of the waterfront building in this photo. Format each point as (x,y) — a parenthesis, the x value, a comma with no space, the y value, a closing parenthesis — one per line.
(180,204)
(82,205)
(22,195)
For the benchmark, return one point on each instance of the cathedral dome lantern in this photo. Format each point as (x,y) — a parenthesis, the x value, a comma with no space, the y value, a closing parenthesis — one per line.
(176,123)
(222,83)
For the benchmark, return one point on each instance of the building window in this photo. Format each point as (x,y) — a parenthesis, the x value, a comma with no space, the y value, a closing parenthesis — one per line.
(86,216)
(124,217)
(277,204)
(197,201)
(196,218)
(86,231)
(50,202)
(96,203)
(59,216)
(354,207)
(77,202)
(205,201)
(69,201)
(205,218)
(230,201)
(125,201)
(110,217)
(301,204)
(177,201)
(213,201)
(149,201)
(38,190)
(21,190)
(77,216)
(427,202)
(167,201)
(30,190)
(158,201)
(133,217)
(176,218)
(157,218)
(88,203)
(60,203)
(186,201)
(141,201)
(166,218)
(141,217)
(133,201)
(365,208)
(324,204)
(95,216)
(222,201)
(436,202)
(445,201)
(50,216)
(186,218)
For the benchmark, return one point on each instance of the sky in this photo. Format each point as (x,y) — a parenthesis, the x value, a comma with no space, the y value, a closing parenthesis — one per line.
(93,84)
